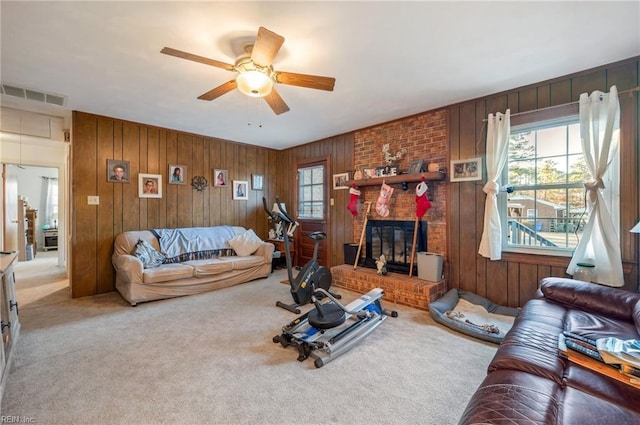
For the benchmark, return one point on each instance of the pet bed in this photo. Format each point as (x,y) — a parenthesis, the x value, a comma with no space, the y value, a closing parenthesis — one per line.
(473,315)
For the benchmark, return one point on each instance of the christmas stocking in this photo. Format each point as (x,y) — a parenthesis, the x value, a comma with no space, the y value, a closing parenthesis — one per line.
(422,202)
(382,206)
(354,195)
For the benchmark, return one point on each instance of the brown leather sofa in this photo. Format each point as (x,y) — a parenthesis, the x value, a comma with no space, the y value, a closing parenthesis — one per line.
(529,383)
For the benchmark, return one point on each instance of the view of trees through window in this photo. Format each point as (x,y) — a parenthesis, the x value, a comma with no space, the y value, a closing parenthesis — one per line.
(547,169)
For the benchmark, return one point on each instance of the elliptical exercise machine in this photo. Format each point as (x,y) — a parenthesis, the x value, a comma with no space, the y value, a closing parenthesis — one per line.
(312,275)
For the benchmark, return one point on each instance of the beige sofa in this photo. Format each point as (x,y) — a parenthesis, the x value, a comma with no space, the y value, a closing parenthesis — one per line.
(190,276)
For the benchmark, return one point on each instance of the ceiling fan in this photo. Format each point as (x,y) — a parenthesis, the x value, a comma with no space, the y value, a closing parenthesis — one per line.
(256,76)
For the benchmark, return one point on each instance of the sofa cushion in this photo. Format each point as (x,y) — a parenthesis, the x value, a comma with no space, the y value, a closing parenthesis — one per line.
(210,267)
(167,272)
(243,263)
(531,347)
(147,254)
(512,397)
(595,326)
(246,243)
(613,302)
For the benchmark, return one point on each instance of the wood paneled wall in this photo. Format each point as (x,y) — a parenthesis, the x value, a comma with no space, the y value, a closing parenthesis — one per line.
(514,279)
(510,281)
(150,150)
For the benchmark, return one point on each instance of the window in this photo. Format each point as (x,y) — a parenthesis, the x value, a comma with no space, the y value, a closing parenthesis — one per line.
(311,192)
(546,212)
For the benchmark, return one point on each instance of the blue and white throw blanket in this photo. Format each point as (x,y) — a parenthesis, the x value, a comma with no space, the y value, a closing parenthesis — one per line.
(194,243)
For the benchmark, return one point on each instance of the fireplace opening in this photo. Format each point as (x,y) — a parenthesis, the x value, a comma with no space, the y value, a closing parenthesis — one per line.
(394,238)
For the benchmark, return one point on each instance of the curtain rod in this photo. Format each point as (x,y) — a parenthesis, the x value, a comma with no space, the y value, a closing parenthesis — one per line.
(632,90)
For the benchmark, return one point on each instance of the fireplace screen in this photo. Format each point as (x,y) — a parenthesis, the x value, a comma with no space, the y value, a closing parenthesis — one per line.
(393,238)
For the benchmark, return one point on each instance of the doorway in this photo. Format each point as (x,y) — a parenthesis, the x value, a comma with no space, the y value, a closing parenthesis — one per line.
(36,190)
(312,191)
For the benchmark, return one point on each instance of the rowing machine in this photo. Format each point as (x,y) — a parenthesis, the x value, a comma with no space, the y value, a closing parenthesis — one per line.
(331,329)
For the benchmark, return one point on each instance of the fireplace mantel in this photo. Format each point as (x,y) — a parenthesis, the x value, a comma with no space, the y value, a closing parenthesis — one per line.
(402,178)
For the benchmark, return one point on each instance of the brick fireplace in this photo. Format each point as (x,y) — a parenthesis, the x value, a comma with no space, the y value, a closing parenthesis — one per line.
(423,136)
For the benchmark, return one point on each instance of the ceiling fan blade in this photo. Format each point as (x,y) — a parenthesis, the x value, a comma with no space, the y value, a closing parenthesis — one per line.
(266,47)
(304,80)
(189,56)
(275,101)
(219,91)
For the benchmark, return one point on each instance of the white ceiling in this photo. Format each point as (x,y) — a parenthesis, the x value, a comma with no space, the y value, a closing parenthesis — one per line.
(390,59)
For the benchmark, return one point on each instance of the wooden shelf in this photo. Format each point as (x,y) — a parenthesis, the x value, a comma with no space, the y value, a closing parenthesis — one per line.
(402,178)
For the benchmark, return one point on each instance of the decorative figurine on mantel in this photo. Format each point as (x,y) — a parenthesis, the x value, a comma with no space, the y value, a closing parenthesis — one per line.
(381,265)
(390,158)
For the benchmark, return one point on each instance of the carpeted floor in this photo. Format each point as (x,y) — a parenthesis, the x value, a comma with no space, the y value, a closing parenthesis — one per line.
(210,359)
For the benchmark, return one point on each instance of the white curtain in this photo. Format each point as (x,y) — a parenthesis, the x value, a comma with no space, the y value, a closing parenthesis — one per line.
(498,129)
(599,133)
(50,197)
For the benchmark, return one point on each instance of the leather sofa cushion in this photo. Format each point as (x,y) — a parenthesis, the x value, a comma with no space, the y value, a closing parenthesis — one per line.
(533,348)
(594,326)
(610,390)
(167,272)
(613,302)
(582,408)
(508,397)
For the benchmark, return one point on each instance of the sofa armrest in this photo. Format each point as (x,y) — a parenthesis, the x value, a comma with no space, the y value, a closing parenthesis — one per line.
(265,250)
(129,268)
(613,302)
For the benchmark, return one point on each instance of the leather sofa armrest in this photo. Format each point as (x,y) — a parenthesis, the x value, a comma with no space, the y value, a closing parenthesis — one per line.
(605,300)
(265,250)
(128,267)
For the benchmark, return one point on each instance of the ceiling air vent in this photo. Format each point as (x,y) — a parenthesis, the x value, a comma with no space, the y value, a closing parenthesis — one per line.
(55,99)
(35,95)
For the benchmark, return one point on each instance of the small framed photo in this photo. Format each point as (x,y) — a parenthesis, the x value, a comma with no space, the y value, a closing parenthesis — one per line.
(466,170)
(177,174)
(369,173)
(340,181)
(257,181)
(416,167)
(219,178)
(117,171)
(240,190)
(150,185)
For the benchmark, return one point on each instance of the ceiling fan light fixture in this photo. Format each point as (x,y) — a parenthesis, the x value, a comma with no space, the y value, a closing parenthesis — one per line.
(254,83)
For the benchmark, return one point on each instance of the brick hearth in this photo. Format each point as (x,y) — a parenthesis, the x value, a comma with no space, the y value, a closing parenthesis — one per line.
(398,288)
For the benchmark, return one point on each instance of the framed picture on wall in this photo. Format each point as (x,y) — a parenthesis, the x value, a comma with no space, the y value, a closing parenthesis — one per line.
(150,185)
(177,174)
(416,167)
(257,181)
(369,173)
(219,178)
(117,171)
(466,170)
(240,190)
(340,181)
